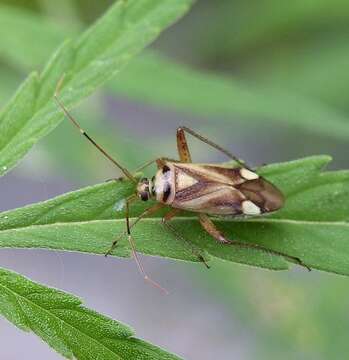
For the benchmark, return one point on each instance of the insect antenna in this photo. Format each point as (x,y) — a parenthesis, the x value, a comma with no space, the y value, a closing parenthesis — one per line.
(84,133)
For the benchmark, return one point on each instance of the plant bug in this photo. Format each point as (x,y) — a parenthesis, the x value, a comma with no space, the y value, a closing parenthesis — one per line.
(205,189)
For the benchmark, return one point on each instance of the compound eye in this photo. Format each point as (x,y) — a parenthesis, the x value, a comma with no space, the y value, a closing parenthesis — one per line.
(144,196)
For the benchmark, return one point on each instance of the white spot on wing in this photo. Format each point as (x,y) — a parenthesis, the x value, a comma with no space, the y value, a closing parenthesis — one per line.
(248,174)
(184,181)
(249,208)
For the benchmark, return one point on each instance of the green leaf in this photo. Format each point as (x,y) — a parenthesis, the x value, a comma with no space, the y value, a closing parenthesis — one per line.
(8,84)
(302,70)
(267,23)
(69,328)
(185,89)
(18,29)
(313,225)
(96,56)
(306,307)
(181,88)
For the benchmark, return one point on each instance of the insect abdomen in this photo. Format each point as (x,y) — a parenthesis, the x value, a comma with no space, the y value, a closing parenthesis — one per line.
(263,194)
(219,190)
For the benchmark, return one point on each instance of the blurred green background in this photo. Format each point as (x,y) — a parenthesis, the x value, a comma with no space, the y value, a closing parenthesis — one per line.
(280,58)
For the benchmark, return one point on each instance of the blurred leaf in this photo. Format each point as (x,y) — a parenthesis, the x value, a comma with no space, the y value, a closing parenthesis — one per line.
(247,26)
(84,221)
(19,28)
(291,314)
(69,328)
(88,62)
(302,70)
(185,89)
(181,88)
(8,84)
(65,12)
(21,25)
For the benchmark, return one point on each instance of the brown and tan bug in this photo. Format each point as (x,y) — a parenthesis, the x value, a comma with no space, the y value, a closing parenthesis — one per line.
(205,189)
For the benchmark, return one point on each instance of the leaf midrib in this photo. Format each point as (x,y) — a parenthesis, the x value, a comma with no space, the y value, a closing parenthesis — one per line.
(56,317)
(183,219)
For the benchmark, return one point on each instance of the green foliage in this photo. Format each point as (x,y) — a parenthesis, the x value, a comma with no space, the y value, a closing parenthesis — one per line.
(19,27)
(312,226)
(87,62)
(293,315)
(71,329)
(181,88)
(266,23)
(8,84)
(297,54)
(303,71)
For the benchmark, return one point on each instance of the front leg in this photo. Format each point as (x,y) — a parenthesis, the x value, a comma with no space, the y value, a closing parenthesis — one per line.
(129,225)
(146,212)
(211,228)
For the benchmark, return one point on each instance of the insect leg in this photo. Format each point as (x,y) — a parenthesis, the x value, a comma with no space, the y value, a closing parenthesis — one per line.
(135,255)
(166,219)
(132,243)
(182,146)
(140,266)
(183,129)
(211,228)
(145,213)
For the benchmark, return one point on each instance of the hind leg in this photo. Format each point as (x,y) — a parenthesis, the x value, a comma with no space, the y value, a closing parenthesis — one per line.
(211,228)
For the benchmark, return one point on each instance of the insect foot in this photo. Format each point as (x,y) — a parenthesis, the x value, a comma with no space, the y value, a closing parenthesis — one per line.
(301,263)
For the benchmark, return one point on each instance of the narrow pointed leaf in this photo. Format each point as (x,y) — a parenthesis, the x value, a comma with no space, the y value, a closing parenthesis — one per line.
(313,225)
(178,87)
(71,329)
(87,62)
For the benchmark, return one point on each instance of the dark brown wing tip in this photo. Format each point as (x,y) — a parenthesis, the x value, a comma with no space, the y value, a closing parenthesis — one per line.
(274,199)
(263,194)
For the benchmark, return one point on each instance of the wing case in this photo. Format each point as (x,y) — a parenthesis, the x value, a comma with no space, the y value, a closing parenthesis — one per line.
(222,190)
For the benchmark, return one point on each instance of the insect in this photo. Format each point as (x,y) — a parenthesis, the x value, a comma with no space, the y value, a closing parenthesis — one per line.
(205,189)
